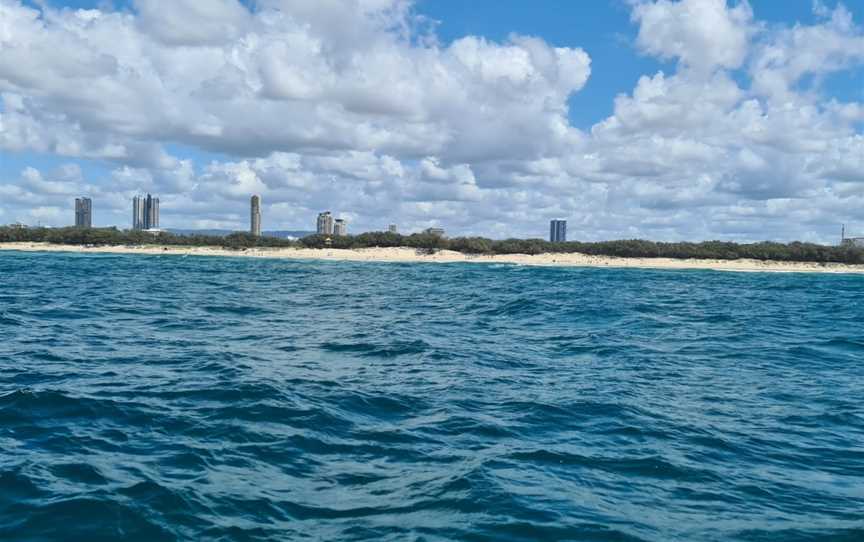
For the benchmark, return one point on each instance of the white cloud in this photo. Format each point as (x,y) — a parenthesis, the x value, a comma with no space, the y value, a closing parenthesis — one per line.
(355,106)
(192,22)
(702,34)
(283,79)
(788,55)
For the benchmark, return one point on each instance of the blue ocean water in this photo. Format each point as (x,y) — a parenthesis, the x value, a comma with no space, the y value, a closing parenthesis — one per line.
(147,398)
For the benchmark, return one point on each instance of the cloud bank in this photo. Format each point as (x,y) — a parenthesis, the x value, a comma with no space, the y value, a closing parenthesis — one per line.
(356,106)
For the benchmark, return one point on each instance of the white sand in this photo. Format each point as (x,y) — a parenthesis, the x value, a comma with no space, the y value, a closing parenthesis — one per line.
(448,256)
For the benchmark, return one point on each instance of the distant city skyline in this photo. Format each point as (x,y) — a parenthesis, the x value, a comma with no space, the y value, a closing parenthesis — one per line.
(145,216)
(146,213)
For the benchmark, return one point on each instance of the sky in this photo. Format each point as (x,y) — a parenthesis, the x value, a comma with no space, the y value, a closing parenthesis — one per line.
(660,119)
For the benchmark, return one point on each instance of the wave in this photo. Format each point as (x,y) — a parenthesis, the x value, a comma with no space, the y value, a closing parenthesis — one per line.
(372,350)
(232,399)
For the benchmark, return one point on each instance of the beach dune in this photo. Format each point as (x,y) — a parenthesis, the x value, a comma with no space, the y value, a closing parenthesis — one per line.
(403,254)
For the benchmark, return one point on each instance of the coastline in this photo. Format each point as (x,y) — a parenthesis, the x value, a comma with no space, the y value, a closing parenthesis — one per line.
(410,255)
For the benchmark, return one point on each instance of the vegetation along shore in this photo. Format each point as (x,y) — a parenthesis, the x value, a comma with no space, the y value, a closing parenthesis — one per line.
(384,246)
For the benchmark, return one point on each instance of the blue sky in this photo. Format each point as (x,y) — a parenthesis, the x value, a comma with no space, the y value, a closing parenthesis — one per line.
(612,146)
(607,34)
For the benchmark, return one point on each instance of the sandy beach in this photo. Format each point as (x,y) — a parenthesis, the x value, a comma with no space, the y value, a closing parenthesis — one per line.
(447,256)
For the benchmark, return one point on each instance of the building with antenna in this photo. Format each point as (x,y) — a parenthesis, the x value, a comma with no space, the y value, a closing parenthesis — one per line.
(255,219)
(857,242)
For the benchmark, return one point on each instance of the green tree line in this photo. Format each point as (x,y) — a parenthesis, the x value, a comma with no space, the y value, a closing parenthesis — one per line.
(115,237)
(633,248)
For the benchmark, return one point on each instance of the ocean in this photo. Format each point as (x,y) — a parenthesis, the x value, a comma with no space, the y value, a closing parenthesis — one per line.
(150,398)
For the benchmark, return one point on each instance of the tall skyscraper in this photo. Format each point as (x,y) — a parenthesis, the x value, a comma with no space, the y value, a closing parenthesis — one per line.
(83,212)
(558,231)
(152,212)
(340,227)
(138,213)
(392,229)
(255,227)
(145,213)
(325,223)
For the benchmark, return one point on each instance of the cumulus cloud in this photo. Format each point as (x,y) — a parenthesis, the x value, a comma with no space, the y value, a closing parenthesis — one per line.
(192,22)
(788,55)
(356,106)
(281,79)
(702,34)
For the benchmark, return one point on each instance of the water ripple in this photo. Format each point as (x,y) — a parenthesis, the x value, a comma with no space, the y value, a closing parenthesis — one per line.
(264,400)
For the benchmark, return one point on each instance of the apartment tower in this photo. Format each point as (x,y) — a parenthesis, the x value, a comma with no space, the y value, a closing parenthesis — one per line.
(558,231)
(340,227)
(145,213)
(83,213)
(255,226)
(325,223)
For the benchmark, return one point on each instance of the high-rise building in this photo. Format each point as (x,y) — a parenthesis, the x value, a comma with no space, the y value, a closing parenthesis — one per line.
(340,227)
(392,229)
(138,213)
(152,213)
(558,231)
(255,227)
(439,232)
(83,212)
(145,213)
(325,223)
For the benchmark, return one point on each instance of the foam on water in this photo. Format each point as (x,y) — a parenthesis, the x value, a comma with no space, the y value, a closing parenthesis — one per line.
(148,398)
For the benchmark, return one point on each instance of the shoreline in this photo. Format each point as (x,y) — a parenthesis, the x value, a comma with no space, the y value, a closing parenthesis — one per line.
(410,255)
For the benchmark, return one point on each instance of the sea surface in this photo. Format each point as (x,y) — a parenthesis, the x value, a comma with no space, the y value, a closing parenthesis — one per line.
(150,398)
